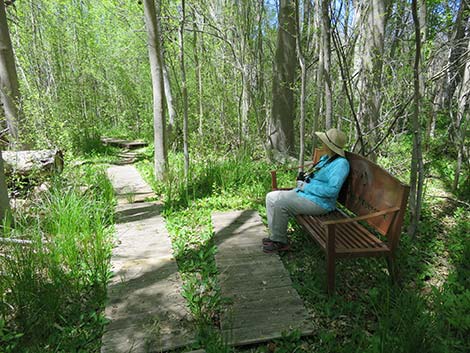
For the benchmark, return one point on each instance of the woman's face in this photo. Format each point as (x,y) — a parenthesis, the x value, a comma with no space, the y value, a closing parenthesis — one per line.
(326,148)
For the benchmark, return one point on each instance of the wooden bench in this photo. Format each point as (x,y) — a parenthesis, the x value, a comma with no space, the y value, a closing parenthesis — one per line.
(369,194)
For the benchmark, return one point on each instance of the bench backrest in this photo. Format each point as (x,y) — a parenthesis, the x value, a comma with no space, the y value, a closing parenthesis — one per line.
(370,188)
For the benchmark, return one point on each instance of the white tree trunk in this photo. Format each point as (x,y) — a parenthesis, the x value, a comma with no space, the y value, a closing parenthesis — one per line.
(462,120)
(303,84)
(326,51)
(9,88)
(368,66)
(285,62)
(169,100)
(417,170)
(156,67)
(458,43)
(319,74)
(197,48)
(184,93)
(245,106)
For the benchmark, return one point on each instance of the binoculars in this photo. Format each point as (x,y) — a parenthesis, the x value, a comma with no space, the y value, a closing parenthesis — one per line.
(302,176)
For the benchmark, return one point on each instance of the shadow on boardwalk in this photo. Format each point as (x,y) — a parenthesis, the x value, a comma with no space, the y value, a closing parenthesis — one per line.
(138,212)
(241,223)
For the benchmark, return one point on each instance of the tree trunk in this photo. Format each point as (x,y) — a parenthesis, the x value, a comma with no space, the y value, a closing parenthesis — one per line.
(417,172)
(197,65)
(166,81)
(169,101)
(319,84)
(303,84)
(156,67)
(461,122)
(245,25)
(283,112)
(245,104)
(359,25)
(5,210)
(422,9)
(397,37)
(326,51)
(458,44)
(370,68)
(9,87)
(262,110)
(184,93)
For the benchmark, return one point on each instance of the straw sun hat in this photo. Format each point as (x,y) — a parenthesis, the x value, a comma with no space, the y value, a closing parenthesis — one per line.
(334,139)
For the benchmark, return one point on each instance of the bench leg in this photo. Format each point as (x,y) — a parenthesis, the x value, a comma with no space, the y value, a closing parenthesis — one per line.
(391,268)
(330,257)
(330,272)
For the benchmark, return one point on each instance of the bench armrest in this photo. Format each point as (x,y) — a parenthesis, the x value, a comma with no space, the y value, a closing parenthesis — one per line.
(274,175)
(361,218)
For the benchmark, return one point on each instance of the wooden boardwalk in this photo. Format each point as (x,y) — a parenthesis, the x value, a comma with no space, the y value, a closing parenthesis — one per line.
(146,310)
(110,141)
(128,184)
(263,302)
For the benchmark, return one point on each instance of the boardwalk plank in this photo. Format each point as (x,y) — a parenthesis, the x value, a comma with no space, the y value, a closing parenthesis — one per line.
(146,310)
(263,333)
(275,295)
(261,301)
(128,184)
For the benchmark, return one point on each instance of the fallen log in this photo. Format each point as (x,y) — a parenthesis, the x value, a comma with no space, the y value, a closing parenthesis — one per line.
(26,163)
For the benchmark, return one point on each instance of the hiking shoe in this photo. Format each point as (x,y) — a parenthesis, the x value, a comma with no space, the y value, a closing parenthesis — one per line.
(266,241)
(275,246)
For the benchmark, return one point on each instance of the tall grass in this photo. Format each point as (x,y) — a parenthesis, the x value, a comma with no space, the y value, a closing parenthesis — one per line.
(236,178)
(53,290)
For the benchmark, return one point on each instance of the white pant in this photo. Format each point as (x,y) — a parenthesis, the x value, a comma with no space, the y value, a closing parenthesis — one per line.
(283,204)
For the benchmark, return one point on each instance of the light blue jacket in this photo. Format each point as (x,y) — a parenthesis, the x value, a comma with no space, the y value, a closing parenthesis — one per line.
(324,187)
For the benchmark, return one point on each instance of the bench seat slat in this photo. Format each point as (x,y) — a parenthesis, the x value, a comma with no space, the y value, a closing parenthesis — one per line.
(315,233)
(347,242)
(353,242)
(318,232)
(354,234)
(362,235)
(359,235)
(359,239)
(351,238)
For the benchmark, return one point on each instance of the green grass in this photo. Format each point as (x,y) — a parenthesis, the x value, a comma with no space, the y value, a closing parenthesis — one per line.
(53,290)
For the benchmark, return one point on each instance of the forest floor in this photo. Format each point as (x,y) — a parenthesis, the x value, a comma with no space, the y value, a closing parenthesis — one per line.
(54,291)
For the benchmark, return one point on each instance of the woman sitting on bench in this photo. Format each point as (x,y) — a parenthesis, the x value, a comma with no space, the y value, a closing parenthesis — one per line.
(315,194)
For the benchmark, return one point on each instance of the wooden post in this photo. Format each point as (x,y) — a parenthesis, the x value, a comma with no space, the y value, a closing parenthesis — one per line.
(330,257)
(273,180)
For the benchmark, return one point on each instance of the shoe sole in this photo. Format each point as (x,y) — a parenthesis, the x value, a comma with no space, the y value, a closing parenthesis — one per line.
(280,249)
